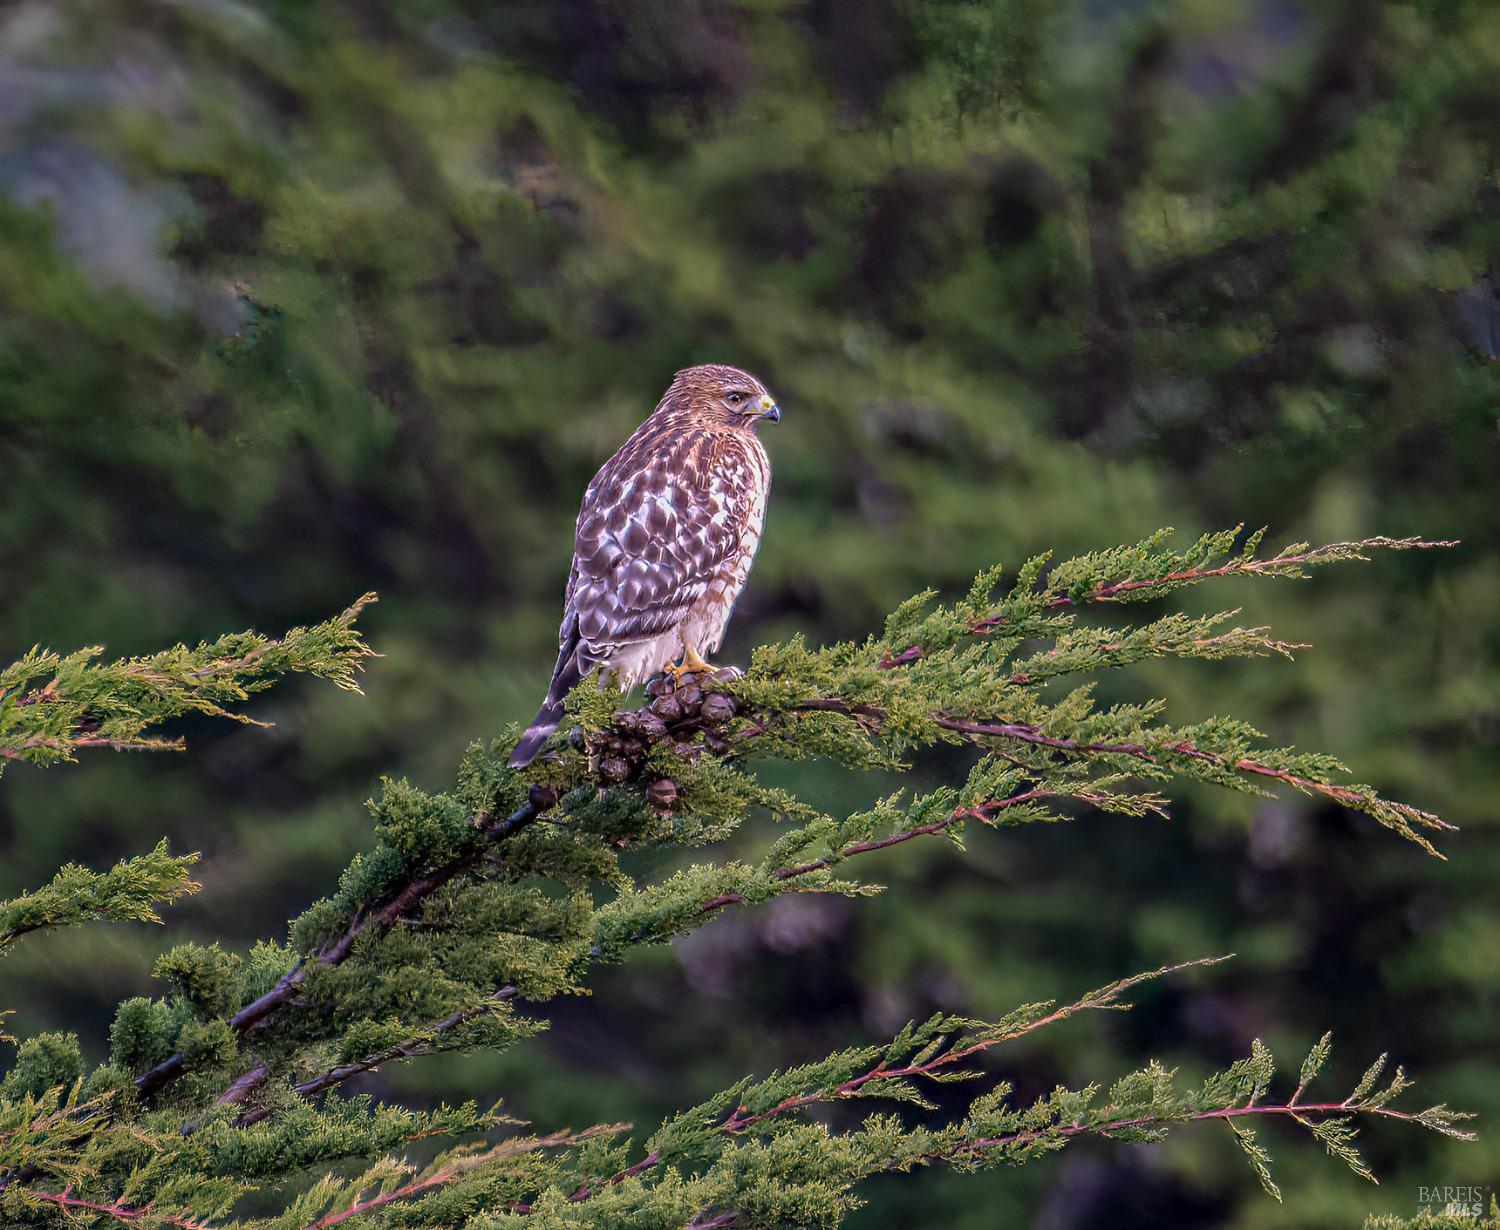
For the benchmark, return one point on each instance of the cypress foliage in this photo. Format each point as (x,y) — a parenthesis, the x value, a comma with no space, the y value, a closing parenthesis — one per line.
(131,890)
(509,887)
(53,706)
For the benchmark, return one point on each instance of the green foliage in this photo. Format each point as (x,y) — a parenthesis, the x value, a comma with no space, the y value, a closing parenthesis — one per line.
(130,891)
(513,888)
(142,1034)
(748,1152)
(47,1061)
(86,703)
(417,825)
(210,979)
(964,677)
(206,1044)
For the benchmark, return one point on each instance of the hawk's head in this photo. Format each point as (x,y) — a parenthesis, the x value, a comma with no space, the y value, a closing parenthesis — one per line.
(713,393)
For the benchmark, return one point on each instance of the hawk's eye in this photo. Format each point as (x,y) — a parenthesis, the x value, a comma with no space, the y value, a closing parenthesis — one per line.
(734,399)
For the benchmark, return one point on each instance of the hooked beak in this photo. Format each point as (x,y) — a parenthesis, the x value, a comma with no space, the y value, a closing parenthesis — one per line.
(769,410)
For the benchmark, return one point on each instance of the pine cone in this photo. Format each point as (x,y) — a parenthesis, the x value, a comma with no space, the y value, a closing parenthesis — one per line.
(614,769)
(717,709)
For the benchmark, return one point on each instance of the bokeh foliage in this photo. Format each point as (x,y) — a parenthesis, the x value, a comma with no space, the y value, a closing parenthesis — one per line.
(305,300)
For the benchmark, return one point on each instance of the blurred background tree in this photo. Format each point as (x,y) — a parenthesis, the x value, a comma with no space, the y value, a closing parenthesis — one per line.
(302,300)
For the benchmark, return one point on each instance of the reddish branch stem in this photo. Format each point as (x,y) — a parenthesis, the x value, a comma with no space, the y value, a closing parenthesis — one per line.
(1293,1109)
(456,1170)
(119,1212)
(245,1085)
(981,812)
(649,1162)
(871,716)
(1178,747)
(741,1119)
(585,1190)
(405,1192)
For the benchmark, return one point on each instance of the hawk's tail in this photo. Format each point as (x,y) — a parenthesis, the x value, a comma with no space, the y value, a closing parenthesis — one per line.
(565,674)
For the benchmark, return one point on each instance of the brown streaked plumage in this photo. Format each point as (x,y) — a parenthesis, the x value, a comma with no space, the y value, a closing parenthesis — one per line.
(665,538)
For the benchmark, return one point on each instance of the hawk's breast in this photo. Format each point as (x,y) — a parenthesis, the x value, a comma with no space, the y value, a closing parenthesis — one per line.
(740,480)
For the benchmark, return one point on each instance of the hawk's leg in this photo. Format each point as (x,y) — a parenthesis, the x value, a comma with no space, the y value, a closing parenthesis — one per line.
(693,664)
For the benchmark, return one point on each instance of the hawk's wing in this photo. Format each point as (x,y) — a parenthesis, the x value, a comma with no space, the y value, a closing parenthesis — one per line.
(655,529)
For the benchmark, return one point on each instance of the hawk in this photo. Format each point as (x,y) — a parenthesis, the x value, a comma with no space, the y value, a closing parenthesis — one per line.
(665,539)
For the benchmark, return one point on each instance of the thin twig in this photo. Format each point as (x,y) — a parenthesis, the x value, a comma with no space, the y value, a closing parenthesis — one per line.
(457,1169)
(1222,1112)
(124,1214)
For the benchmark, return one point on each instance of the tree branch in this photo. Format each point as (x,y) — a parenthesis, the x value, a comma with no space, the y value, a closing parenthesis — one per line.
(1287,563)
(671,716)
(410,1048)
(1400,816)
(981,811)
(121,1213)
(1291,1110)
(561,1139)
(416,1045)
(491,830)
(54,744)
(87,704)
(1288,1110)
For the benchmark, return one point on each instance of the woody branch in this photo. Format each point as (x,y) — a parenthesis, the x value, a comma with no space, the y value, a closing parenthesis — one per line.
(420,1042)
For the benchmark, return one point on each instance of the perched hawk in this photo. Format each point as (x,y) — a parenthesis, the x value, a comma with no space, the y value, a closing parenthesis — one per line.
(665,538)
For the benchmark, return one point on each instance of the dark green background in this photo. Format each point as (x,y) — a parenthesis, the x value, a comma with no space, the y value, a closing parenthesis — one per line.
(299,300)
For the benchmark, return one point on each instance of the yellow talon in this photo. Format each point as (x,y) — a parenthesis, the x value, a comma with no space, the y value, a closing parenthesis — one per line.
(691,664)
